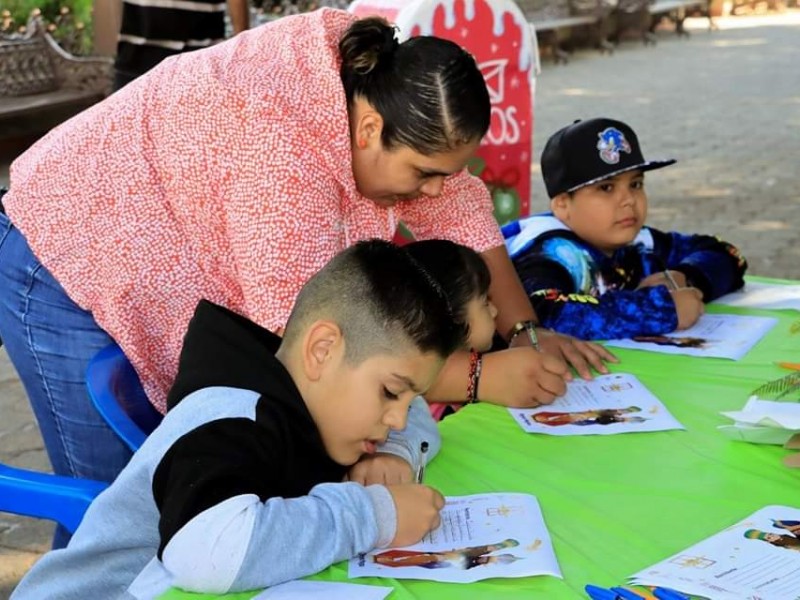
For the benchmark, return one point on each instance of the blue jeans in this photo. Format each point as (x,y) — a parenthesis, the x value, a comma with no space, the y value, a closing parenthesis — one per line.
(50,341)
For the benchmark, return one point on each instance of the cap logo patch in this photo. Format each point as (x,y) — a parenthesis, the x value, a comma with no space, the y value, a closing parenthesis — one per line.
(611,141)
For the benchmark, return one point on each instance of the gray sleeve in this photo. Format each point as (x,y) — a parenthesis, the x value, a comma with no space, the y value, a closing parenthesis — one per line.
(421,427)
(244,544)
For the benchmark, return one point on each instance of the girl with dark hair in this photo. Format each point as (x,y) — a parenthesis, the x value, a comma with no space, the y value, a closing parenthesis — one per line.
(465,280)
(234,173)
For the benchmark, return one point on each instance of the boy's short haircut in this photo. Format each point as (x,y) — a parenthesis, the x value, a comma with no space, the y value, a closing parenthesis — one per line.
(589,151)
(383,301)
(460,271)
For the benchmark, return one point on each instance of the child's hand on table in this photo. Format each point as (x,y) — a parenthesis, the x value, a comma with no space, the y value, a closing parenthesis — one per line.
(689,306)
(418,509)
(382,468)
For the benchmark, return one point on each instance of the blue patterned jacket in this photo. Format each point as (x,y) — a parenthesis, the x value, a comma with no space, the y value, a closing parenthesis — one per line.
(578,290)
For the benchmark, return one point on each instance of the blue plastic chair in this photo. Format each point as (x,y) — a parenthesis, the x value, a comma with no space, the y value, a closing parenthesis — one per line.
(46,496)
(118,396)
(117,393)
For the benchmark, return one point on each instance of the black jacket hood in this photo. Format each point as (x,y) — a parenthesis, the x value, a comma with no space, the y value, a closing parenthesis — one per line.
(223,348)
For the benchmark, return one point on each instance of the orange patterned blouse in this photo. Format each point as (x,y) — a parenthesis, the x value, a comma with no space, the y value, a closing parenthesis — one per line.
(223,174)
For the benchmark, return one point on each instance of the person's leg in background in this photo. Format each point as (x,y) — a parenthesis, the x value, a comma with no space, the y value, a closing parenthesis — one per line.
(121,79)
(50,341)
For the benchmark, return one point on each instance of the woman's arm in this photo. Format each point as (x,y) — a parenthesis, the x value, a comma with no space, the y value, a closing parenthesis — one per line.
(506,292)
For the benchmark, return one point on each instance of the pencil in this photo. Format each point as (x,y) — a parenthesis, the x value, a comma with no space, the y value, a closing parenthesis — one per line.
(423,452)
(671,283)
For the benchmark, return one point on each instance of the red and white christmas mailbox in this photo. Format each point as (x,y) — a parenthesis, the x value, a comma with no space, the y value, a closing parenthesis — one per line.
(496,33)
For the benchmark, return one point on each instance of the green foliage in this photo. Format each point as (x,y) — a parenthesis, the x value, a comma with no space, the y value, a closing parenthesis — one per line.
(69,21)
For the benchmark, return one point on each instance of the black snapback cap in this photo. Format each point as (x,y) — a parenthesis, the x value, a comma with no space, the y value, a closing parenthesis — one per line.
(589,151)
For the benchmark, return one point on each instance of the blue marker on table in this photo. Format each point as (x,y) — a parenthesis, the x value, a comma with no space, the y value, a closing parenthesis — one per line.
(668,594)
(599,593)
(626,594)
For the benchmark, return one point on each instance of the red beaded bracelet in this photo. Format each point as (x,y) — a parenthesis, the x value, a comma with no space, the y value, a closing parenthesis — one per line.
(475,367)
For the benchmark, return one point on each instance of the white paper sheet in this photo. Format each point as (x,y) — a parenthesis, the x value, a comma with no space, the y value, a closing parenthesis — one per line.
(740,432)
(324,590)
(768,413)
(743,562)
(481,536)
(609,404)
(763,295)
(719,336)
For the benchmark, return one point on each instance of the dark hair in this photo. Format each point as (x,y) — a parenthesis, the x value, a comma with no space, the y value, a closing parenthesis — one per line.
(785,541)
(383,302)
(460,271)
(607,416)
(429,90)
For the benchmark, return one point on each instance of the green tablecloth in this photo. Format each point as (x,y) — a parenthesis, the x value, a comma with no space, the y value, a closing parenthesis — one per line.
(617,504)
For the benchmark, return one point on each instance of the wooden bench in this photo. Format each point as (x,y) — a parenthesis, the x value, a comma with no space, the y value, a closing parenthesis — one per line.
(676,10)
(41,85)
(552,18)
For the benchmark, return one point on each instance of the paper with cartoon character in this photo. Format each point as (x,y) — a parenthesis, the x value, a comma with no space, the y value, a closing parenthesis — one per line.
(481,536)
(755,559)
(609,404)
(717,336)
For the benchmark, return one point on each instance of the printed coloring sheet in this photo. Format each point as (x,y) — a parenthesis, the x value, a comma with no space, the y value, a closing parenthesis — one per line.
(763,295)
(481,536)
(756,559)
(609,404)
(718,336)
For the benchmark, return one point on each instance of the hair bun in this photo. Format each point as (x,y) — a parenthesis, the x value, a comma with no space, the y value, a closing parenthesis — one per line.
(368,43)
(390,43)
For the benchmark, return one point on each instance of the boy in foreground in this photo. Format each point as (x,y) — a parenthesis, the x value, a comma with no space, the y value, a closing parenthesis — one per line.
(241,486)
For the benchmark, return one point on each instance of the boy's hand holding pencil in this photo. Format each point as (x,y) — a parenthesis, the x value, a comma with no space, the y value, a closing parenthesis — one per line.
(418,509)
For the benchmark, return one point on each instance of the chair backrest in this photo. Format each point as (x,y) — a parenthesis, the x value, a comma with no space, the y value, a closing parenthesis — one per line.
(45,496)
(117,394)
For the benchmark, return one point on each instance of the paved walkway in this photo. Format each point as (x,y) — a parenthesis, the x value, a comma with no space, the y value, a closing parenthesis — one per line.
(726,104)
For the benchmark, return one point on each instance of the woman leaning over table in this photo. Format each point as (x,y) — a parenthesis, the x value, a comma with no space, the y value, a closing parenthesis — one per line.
(233,174)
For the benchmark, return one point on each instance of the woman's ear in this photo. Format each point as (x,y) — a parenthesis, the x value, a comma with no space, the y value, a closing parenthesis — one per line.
(322,344)
(560,206)
(367,124)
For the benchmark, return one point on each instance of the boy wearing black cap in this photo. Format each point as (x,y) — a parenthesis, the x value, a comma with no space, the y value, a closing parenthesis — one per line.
(591,267)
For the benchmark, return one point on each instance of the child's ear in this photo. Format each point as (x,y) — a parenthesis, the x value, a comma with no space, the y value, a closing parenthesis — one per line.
(560,206)
(322,342)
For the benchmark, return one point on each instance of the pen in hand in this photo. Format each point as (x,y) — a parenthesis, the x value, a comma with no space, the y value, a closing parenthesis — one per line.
(423,455)
(671,283)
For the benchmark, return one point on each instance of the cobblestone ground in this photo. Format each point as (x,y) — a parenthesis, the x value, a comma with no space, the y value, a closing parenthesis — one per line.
(726,104)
